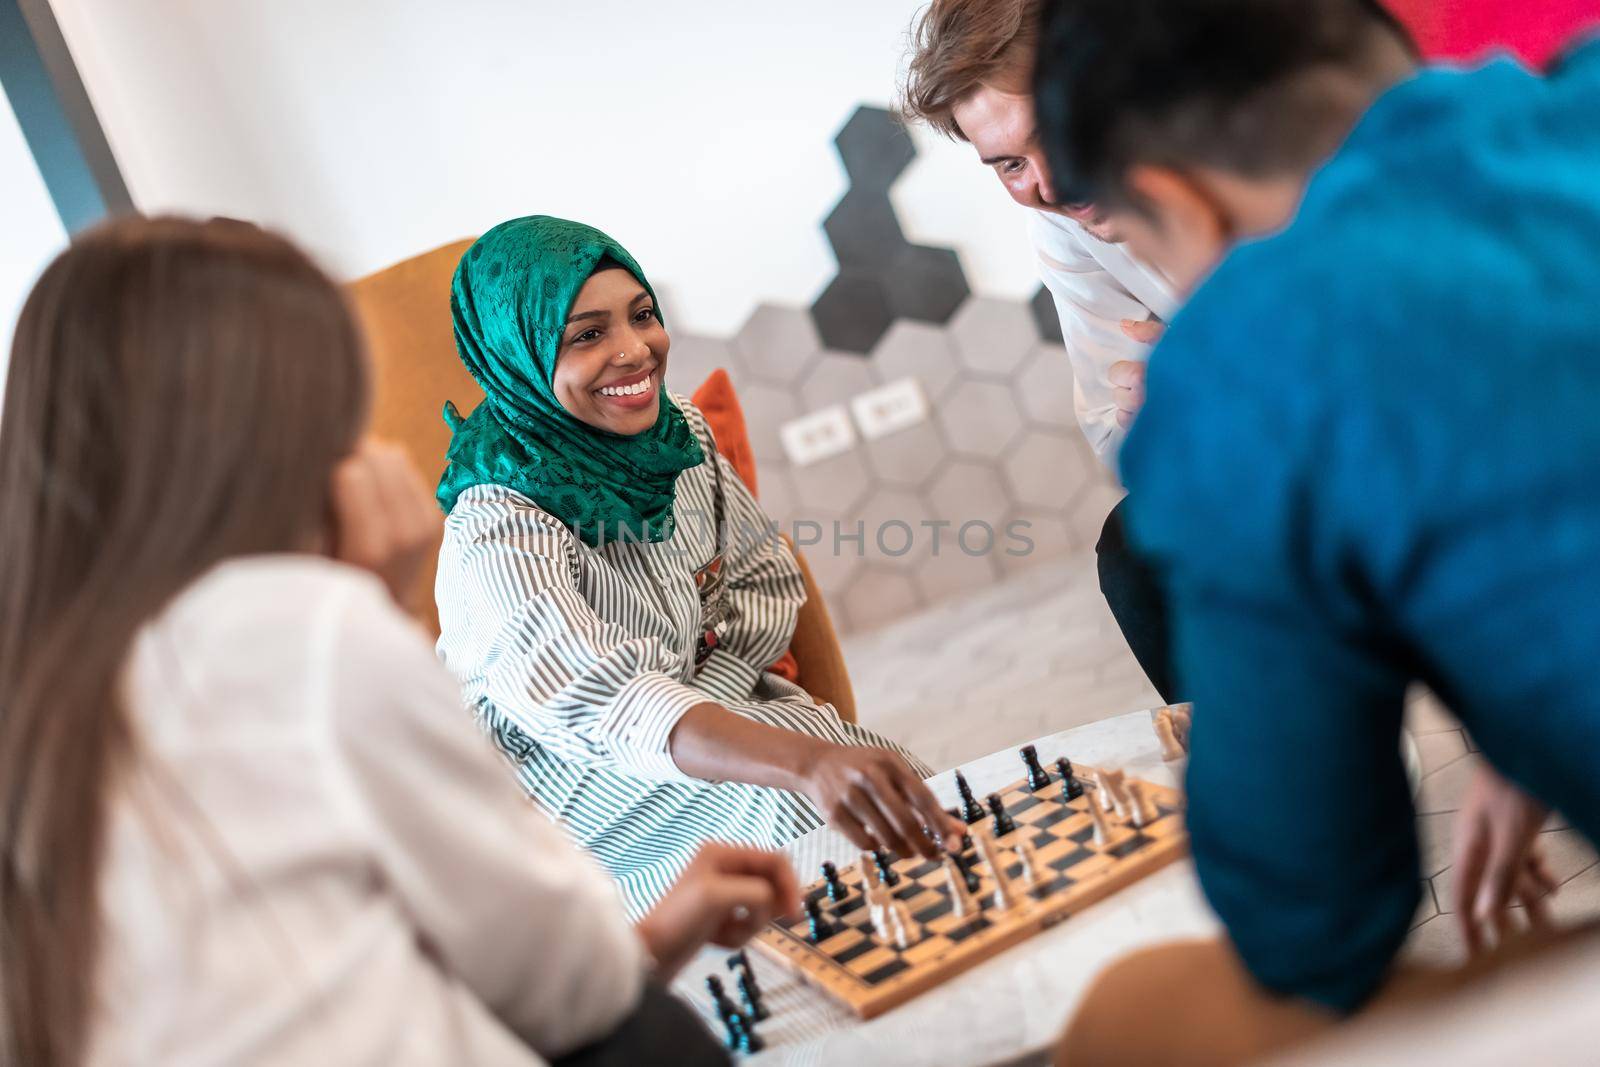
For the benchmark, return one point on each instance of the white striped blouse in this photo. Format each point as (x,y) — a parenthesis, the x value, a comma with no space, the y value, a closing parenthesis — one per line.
(580,660)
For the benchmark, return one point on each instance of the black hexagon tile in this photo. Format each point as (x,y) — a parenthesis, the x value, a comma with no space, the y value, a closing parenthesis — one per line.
(852,313)
(926,284)
(874,147)
(864,232)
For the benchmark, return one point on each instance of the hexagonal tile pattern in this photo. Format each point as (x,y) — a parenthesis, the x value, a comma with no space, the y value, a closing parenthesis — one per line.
(1045,317)
(917,350)
(852,313)
(874,148)
(863,231)
(1044,386)
(692,358)
(880,596)
(1044,538)
(892,528)
(968,490)
(993,336)
(1087,516)
(952,573)
(766,409)
(835,378)
(909,457)
(1047,470)
(776,344)
(833,487)
(927,284)
(979,418)
(832,569)
(777,496)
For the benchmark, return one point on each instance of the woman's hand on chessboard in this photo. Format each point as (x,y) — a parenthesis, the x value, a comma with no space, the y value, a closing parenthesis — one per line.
(876,800)
(725,896)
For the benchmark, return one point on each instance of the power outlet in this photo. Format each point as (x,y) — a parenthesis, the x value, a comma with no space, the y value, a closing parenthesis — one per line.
(890,409)
(815,437)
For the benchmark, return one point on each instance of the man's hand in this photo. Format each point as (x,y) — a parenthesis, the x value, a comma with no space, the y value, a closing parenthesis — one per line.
(1497,858)
(383,517)
(1145,331)
(874,798)
(725,896)
(1127,390)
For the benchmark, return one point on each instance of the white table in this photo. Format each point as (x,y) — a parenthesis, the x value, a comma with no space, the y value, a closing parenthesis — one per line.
(1012,1006)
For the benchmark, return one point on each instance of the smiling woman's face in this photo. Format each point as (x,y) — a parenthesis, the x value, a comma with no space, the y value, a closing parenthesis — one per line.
(613,355)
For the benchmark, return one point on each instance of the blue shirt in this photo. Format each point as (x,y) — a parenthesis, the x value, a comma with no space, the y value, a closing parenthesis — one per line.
(1371,454)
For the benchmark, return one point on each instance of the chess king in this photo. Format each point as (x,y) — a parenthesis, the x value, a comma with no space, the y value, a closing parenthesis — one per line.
(1327,536)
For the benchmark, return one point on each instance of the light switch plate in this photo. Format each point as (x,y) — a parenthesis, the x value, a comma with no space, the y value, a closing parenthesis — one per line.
(817,436)
(891,408)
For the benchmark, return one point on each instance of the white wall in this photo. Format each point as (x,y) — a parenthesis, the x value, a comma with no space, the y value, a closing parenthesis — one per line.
(698,132)
(31,230)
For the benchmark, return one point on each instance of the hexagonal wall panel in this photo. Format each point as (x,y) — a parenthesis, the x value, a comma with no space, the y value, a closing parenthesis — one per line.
(993,336)
(953,572)
(1045,317)
(833,487)
(874,148)
(852,313)
(909,457)
(864,233)
(1046,537)
(1044,387)
(691,359)
(966,489)
(979,418)
(1047,470)
(892,528)
(880,596)
(766,409)
(776,344)
(835,378)
(926,284)
(916,350)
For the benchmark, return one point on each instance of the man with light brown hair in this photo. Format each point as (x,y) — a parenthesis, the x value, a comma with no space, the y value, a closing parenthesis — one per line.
(969,78)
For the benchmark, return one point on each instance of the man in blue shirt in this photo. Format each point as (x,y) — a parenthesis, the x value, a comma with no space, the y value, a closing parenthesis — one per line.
(1370,450)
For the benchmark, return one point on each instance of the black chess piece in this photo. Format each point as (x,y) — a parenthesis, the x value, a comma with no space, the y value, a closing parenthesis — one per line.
(743,1035)
(887,874)
(837,890)
(744,976)
(964,865)
(1071,788)
(820,928)
(731,1018)
(971,812)
(1038,777)
(1003,823)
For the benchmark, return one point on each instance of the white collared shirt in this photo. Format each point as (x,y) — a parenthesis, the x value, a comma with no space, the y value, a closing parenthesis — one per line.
(1096,285)
(313,857)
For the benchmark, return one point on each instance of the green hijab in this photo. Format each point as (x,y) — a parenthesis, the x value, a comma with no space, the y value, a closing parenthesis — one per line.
(512,293)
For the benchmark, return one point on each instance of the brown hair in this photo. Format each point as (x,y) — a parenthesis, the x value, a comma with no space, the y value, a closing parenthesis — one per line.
(957,46)
(179,394)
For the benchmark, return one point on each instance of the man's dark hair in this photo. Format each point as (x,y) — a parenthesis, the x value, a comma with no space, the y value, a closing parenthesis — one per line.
(1235,84)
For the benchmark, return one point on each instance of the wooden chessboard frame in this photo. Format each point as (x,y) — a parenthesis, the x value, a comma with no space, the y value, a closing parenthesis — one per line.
(936,958)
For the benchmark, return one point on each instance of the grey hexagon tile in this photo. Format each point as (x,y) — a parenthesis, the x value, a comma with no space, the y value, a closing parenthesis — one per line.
(926,284)
(880,596)
(874,147)
(917,350)
(1047,470)
(691,359)
(832,569)
(777,496)
(776,344)
(966,489)
(1044,386)
(852,313)
(993,336)
(954,573)
(835,378)
(766,409)
(1045,316)
(1087,517)
(1043,539)
(864,232)
(833,487)
(892,527)
(907,458)
(979,418)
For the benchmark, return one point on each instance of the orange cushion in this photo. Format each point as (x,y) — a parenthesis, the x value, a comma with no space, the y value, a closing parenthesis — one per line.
(720,405)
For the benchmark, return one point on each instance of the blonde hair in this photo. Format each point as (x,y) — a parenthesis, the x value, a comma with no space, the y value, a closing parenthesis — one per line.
(959,45)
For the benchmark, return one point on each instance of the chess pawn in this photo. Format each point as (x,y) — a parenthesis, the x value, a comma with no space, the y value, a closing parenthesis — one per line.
(1071,788)
(1031,874)
(907,930)
(1143,813)
(962,902)
(869,872)
(1005,892)
(1113,783)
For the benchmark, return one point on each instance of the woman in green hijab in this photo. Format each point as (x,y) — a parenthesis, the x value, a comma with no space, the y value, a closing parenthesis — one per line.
(611,594)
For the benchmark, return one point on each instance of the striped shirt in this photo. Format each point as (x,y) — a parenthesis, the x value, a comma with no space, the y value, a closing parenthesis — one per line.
(580,660)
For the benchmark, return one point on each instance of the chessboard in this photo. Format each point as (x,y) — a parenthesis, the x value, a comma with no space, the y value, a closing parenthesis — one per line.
(1055,862)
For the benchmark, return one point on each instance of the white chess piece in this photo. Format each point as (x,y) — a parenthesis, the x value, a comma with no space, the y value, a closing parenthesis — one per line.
(1031,874)
(907,931)
(1112,792)
(1005,893)
(962,902)
(1143,812)
(1102,832)
(1167,733)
